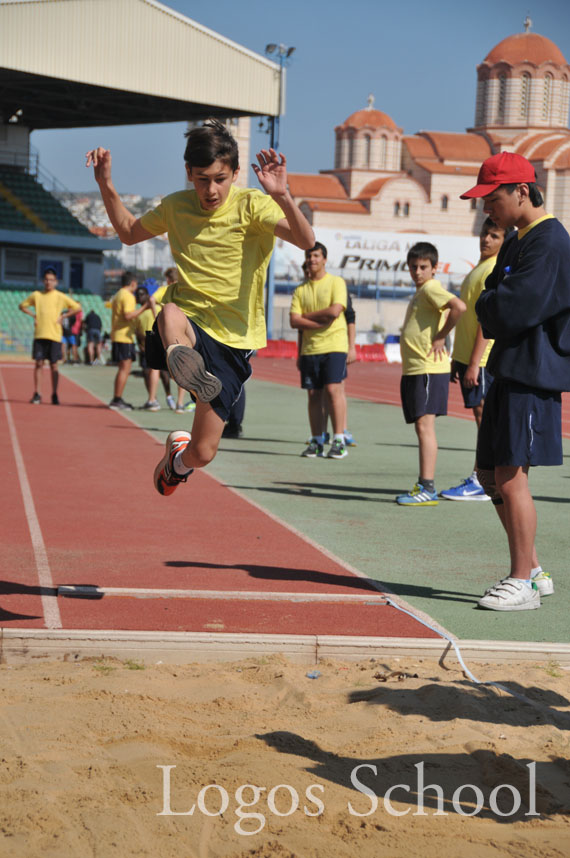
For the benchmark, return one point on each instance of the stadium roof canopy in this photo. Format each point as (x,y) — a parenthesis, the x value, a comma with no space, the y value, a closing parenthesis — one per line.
(80,63)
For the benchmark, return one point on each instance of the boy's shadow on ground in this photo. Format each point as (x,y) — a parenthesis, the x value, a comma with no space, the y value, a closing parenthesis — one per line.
(279,573)
(455,775)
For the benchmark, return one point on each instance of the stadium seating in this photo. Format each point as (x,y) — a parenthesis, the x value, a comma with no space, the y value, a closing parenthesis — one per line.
(33,195)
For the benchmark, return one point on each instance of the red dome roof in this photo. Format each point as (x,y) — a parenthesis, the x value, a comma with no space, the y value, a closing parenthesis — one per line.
(526,46)
(370,118)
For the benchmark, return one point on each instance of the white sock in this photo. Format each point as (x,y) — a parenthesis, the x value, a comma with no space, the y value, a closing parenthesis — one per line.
(338,437)
(534,572)
(179,467)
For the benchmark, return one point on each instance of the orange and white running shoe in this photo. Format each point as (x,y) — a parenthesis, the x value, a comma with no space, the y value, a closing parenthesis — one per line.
(165,478)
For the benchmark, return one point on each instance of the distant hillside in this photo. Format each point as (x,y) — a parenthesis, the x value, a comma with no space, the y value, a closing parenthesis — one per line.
(89,209)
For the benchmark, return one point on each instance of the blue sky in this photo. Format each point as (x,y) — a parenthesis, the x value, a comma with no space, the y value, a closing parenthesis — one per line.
(417,58)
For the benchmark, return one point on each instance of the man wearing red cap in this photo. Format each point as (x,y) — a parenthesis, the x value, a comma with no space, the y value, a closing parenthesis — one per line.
(525,308)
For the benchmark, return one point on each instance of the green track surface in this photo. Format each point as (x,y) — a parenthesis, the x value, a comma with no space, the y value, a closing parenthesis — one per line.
(439,559)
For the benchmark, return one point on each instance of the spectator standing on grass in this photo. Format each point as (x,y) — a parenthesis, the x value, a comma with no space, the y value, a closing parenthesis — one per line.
(525,308)
(124,313)
(471,351)
(431,315)
(50,307)
(350,317)
(317,312)
(76,325)
(93,327)
(178,405)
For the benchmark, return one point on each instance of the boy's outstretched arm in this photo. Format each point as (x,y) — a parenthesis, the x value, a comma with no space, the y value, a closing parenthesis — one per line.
(271,170)
(126,225)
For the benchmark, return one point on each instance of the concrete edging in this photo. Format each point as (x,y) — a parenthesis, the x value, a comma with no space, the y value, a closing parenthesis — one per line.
(21,646)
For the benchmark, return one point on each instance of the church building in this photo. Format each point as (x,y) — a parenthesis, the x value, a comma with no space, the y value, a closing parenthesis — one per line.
(389,181)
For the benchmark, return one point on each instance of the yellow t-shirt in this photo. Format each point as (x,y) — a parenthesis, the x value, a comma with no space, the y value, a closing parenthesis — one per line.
(222,257)
(144,322)
(425,316)
(522,232)
(159,293)
(122,331)
(315,295)
(466,329)
(49,306)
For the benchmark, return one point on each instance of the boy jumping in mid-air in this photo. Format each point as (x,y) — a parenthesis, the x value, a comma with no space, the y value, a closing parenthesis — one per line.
(425,364)
(221,239)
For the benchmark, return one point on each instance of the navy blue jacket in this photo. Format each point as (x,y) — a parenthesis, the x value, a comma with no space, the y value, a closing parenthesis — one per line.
(525,308)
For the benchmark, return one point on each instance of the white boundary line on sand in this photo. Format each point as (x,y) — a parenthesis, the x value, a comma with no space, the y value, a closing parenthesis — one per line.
(50,607)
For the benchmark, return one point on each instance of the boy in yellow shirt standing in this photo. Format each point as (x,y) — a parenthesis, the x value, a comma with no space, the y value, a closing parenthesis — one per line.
(50,307)
(317,312)
(425,364)
(221,238)
(471,350)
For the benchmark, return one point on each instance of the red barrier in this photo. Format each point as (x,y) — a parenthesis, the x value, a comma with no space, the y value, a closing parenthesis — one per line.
(288,349)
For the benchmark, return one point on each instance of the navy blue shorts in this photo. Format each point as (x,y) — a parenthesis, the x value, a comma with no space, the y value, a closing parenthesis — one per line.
(46,350)
(69,339)
(122,351)
(94,335)
(230,365)
(318,370)
(520,426)
(424,394)
(473,396)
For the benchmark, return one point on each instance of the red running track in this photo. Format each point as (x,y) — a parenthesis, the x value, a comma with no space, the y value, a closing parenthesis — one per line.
(376,382)
(89,471)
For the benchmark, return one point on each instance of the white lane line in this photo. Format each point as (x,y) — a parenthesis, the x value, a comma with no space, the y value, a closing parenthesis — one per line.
(50,608)
(79,591)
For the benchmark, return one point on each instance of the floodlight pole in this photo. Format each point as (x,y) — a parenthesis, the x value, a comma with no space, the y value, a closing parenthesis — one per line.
(283,54)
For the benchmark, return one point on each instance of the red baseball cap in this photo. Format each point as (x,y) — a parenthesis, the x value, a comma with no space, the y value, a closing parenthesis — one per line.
(505,168)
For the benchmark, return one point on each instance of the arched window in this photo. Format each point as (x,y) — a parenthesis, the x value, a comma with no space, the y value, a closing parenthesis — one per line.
(547,96)
(502,97)
(564,95)
(351,151)
(406,210)
(525,94)
(367,149)
(382,152)
(396,209)
(444,202)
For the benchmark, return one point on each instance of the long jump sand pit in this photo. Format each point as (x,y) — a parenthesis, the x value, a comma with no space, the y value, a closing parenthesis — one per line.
(256,758)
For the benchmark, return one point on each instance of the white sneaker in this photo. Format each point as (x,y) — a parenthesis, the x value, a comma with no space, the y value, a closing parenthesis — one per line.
(171,403)
(510,594)
(544,583)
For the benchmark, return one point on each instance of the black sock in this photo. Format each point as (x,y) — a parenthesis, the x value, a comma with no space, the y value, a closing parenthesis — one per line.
(429,485)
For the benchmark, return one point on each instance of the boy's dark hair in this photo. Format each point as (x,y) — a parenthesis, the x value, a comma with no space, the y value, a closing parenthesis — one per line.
(423,250)
(534,194)
(318,246)
(50,270)
(172,273)
(489,223)
(127,278)
(211,142)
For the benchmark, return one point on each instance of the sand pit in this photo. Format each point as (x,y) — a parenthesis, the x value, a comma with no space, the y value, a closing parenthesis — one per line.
(86,749)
